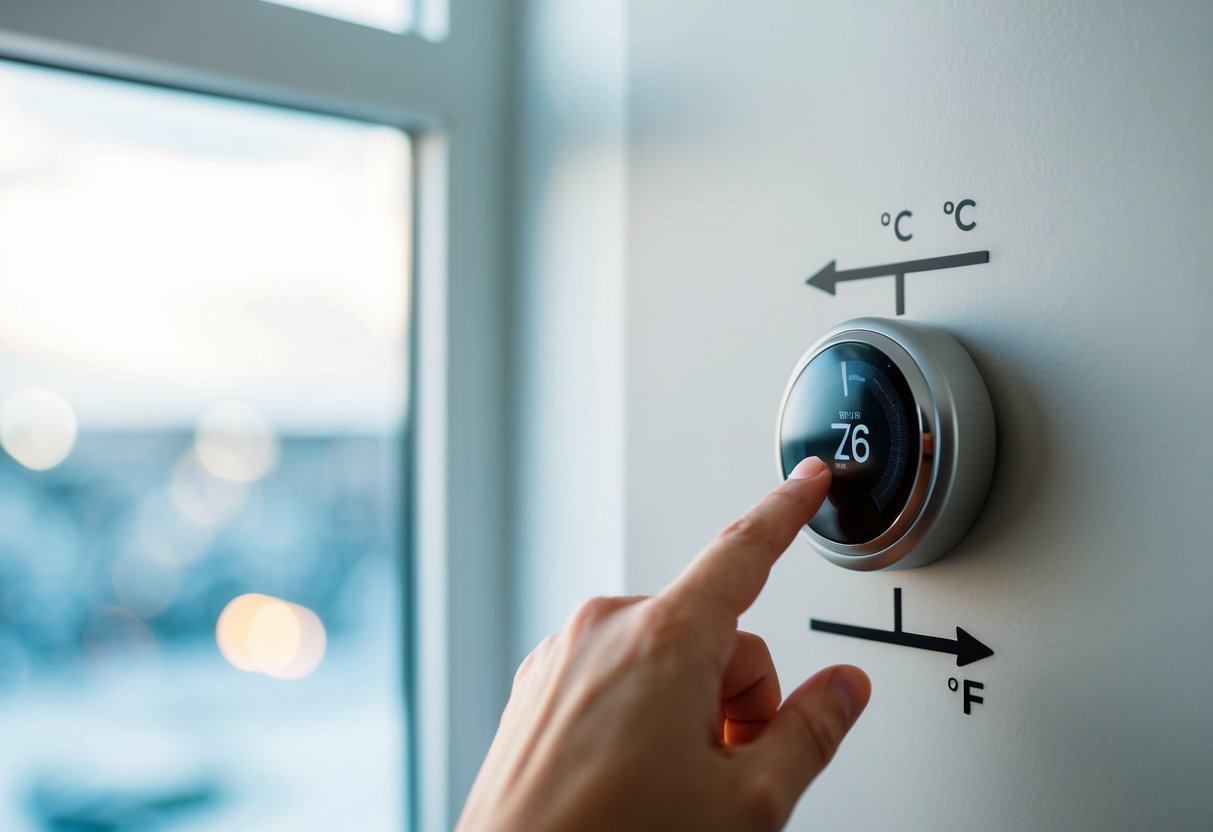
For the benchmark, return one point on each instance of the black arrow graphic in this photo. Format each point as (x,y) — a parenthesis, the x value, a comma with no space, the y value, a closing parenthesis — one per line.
(966,648)
(828,278)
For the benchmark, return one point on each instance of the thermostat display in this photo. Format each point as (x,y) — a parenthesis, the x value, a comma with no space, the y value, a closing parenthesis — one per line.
(901,416)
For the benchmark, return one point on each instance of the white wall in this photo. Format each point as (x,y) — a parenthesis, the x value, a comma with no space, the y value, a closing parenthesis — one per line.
(766,139)
(568,339)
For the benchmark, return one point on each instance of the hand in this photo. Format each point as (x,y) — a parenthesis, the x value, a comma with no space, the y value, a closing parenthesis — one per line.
(658,713)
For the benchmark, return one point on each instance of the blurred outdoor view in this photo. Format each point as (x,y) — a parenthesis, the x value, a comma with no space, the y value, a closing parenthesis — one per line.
(203,310)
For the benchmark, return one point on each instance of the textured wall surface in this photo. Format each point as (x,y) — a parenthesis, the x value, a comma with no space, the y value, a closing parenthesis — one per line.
(766,139)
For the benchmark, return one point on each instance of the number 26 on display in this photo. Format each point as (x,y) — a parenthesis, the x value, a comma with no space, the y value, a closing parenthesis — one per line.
(859,445)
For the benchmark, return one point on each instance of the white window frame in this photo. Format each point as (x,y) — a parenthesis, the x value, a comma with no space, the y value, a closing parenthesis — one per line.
(451,97)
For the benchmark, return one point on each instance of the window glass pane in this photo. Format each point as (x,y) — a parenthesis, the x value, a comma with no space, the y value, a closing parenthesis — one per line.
(392,15)
(202,389)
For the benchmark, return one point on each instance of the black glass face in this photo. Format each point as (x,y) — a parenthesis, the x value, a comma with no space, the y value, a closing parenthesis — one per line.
(852,407)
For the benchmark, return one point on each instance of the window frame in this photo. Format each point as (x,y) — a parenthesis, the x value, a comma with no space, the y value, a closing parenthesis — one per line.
(450,96)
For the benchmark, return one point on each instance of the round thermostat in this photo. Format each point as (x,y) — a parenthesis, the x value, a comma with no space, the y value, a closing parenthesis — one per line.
(902,417)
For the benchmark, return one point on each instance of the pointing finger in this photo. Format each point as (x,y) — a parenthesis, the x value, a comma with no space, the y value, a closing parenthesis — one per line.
(726,577)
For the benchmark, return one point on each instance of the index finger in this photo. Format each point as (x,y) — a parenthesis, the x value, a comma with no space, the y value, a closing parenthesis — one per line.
(725,578)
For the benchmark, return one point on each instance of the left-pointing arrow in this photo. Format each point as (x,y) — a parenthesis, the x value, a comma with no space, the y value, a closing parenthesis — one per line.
(828,278)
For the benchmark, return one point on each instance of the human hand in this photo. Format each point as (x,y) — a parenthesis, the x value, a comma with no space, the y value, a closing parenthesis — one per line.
(658,713)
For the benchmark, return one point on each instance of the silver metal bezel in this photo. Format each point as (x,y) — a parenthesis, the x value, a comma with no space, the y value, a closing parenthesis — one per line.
(950,482)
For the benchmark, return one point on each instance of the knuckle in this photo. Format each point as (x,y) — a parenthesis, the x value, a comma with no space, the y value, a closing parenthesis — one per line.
(534,657)
(753,643)
(589,614)
(523,670)
(544,648)
(662,626)
(746,532)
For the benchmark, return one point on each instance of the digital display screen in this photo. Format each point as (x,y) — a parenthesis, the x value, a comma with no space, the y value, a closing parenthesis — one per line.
(853,408)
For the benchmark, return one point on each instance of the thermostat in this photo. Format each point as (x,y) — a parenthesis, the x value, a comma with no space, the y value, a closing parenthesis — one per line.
(902,417)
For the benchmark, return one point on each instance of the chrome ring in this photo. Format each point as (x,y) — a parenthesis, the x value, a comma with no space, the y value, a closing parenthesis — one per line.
(956,462)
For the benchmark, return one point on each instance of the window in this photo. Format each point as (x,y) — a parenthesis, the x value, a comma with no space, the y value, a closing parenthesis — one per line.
(392,15)
(455,443)
(203,350)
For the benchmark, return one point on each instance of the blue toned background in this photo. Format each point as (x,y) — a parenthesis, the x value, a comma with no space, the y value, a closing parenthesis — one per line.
(202,394)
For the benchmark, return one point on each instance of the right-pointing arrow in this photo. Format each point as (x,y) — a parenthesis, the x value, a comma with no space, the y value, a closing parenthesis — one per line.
(969,649)
(966,648)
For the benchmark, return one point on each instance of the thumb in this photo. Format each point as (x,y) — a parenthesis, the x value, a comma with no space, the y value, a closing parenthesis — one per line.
(804,735)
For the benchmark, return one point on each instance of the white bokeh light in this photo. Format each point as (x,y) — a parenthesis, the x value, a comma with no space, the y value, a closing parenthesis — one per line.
(37,428)
(236,443)
(201,497)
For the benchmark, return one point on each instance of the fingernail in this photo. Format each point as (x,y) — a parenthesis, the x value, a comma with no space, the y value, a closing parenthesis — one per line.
(851,686)
(808,468)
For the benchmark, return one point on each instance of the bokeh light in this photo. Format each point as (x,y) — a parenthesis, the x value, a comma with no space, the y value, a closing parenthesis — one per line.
(234,442)
(143,581)
(231,631)
(201,497)
(37,428)
(220,251)
(262,634)
(116,631)
(163,529)
(273,636)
